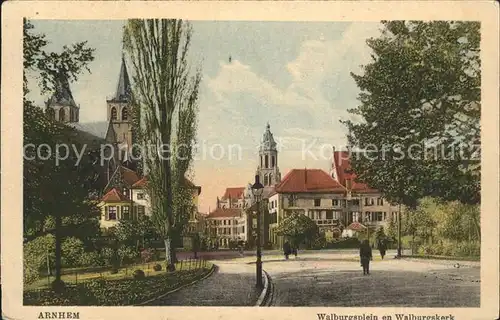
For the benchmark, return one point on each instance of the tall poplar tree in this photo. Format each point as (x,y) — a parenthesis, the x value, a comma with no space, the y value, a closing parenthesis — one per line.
(165,96)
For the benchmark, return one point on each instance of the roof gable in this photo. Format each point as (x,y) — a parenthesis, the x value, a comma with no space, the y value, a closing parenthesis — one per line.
(233,193)
(308,180)
(343,171)
(114,196)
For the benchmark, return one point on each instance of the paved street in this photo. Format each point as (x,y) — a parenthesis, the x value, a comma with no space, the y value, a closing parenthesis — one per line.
(310,281)
(335,278)
(230,285)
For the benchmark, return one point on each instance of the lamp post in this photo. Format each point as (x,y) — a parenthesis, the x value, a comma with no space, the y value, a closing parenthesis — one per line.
(257,189)
(399,232)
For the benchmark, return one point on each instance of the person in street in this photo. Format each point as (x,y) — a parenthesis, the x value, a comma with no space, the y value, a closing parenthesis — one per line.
(365,255)
(382,248)
(286,249)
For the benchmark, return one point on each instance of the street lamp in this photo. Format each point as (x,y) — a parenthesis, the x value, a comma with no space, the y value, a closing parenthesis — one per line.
(257,189)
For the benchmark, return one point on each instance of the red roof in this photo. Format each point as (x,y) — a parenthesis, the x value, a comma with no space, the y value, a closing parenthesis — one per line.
(224,213)
(140,184)
(129,176)
(114,196)
(308,180)
(343,171)
(233,193)
(356,226)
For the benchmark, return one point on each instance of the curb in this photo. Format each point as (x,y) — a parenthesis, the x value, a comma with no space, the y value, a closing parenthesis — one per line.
(266,296)
(212,270)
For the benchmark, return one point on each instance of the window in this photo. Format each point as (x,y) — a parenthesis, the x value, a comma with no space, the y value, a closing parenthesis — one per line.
(379,216)
(329,215)
(126,213)
(140,196)
(125,114)
(266,161)
(140,210)
(372,202)
(317,202)
(380,202)
(224,222)
(112,213)
(266,181)
(243,229)
(367,201)
(113,113)
(335,202)
(355,202)
(272,162)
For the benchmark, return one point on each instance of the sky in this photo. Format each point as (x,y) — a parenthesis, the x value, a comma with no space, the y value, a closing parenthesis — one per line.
(296,76)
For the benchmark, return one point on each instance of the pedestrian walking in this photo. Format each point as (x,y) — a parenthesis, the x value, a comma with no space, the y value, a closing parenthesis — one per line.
(286,249)
(365,255)
(382,248)
(295,251)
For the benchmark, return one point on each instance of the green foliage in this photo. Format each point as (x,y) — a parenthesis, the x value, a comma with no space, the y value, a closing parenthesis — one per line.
(35,257)
(114,292)
(165,99)
(380,234)
(107,255)
(157,267)
(425,81)
(127,254)
(134,232)
(138,274)
(91,259)
(299,228)
(72,251)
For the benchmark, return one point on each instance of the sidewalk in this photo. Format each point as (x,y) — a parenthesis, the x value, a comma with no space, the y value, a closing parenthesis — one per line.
(229,285)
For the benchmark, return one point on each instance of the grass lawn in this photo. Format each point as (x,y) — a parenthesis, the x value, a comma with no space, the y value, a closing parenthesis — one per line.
(77,275)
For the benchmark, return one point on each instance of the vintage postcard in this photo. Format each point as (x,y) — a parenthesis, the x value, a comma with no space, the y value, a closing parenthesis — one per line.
(271,160)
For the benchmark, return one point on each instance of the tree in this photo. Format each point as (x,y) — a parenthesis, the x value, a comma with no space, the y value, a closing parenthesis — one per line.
(298,227)
(135,232)
(54,187)
(165,96)
(420,106)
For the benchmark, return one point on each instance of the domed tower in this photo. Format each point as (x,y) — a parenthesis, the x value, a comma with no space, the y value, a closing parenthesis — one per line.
(61,106)
(268,169)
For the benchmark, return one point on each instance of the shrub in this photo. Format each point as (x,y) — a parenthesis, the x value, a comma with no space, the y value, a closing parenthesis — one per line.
(107,255)
(35,257)
(157,267)
(147,255)
(127,254)
(91,259)
(465,249)
(72,251)
(318,243)
(138,274)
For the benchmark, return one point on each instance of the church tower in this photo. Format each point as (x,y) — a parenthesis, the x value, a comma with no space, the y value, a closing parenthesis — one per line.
(119,113)
(267,169)
(61,106)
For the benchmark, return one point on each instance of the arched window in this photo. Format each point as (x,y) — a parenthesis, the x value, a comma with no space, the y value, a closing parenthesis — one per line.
(113,113)
(273,162)
(270,178)
(266,161)
(124,113)
(62,116)
(51,114)
(266,181)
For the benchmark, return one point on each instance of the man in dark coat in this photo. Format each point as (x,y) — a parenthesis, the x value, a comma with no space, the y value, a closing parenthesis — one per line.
(365,255)
(286,249)
(382,248)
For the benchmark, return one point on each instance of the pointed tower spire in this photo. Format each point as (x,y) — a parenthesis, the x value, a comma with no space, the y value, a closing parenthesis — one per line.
(62,94)
(123,87)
